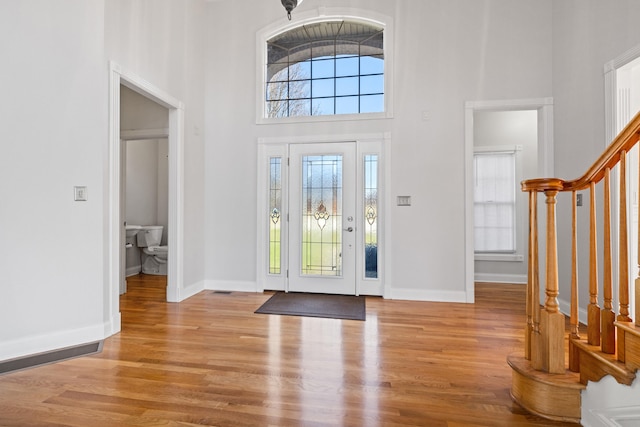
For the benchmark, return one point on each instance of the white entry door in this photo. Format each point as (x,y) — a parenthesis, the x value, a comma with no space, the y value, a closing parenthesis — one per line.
(322,222)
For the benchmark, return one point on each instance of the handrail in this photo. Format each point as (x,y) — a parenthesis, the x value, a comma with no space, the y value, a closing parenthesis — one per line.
(625,140)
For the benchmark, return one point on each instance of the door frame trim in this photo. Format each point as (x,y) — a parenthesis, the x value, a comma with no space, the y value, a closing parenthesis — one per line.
(114,241)
(270,146)
(544,106)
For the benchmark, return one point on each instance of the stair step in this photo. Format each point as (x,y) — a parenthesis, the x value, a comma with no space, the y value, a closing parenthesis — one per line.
(631,334)
(552,396)
(594,364)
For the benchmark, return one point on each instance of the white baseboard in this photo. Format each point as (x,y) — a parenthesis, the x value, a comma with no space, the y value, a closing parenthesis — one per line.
(133,270)
(177,295)
(565,308)
(426,295)
(500,278)
(231,285)
(53,341)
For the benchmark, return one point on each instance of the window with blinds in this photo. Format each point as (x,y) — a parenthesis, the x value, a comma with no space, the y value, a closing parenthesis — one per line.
(495,202)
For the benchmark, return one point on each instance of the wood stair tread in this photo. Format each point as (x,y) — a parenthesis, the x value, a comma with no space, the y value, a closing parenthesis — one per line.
(629,327)
(567,380)
(606,364)
(552,396)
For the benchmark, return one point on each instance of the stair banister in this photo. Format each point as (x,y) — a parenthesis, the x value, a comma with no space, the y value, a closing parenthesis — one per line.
(541,382)
(545,330)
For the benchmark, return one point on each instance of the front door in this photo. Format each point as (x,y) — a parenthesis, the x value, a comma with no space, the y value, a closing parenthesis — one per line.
(322,221)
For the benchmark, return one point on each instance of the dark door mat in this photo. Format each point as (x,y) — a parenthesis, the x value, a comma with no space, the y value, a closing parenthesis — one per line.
(315,305)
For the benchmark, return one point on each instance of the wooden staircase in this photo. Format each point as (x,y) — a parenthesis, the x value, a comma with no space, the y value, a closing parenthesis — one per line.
(561,357)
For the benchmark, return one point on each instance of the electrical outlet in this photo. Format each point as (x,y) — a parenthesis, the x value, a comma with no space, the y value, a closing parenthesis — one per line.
(578,199)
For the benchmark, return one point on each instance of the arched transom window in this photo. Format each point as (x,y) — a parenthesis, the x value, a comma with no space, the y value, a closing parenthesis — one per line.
(325,68)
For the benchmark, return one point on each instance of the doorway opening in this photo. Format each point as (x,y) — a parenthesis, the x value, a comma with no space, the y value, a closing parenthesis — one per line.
(321,216)
(116,227)
(505,127)
(145,205)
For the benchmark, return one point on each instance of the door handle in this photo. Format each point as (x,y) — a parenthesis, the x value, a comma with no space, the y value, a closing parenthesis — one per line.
(349,229)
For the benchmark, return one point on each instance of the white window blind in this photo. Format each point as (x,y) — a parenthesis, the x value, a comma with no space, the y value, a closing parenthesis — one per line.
(495,201)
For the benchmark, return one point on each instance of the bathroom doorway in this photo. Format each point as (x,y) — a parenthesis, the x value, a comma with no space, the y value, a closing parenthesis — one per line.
(172,129)
(145,178)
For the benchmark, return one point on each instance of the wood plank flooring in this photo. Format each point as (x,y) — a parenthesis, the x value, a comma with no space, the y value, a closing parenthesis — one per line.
(211,361)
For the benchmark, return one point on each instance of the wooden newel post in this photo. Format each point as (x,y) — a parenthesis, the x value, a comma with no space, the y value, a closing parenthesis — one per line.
(551,320)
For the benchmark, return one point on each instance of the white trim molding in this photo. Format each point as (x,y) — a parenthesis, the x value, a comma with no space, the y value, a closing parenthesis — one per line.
(117,77)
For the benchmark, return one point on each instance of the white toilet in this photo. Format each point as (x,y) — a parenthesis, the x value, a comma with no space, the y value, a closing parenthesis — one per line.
(154,256)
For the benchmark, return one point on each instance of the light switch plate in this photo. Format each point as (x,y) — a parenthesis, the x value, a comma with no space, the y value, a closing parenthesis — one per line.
(80,194)
(404,201)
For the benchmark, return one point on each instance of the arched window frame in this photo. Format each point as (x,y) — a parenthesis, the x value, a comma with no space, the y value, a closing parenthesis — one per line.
(315,16)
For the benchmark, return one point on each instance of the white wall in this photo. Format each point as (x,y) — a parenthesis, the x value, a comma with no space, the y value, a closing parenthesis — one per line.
(162,41)
(446,53)
(587,34)
(510,129)
(147,192)
(54,134)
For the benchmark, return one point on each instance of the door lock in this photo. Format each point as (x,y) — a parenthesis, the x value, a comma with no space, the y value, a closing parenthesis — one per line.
(349,229)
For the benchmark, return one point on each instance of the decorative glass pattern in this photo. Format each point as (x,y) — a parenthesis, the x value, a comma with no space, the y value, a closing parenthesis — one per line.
(275,207)
(322,215)
(371,215)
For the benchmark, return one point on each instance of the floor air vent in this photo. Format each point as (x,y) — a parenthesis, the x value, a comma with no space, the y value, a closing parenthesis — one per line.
(53,356)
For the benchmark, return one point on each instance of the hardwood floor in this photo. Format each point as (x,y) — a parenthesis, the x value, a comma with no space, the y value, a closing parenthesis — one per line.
(211,361)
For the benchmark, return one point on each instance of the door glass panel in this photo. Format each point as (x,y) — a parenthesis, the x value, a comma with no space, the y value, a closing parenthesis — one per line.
(321,238)
(275,208)
(371,215)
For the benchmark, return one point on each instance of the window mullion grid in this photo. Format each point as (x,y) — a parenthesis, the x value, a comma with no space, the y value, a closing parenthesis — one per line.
(311,67)
(359,77)
(288,84)
(335,73)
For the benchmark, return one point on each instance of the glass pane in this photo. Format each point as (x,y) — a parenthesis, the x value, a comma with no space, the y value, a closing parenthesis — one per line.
(322,88)
(300,89)
(299,107)
(275,209)
(277,91)
(322,106)
(321,215)
(277,108)
(322,68)
(371,215)
(346,86)
(371,65)
(347,105)
(372,103)
(371,84)
(300,71)
(347,66)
